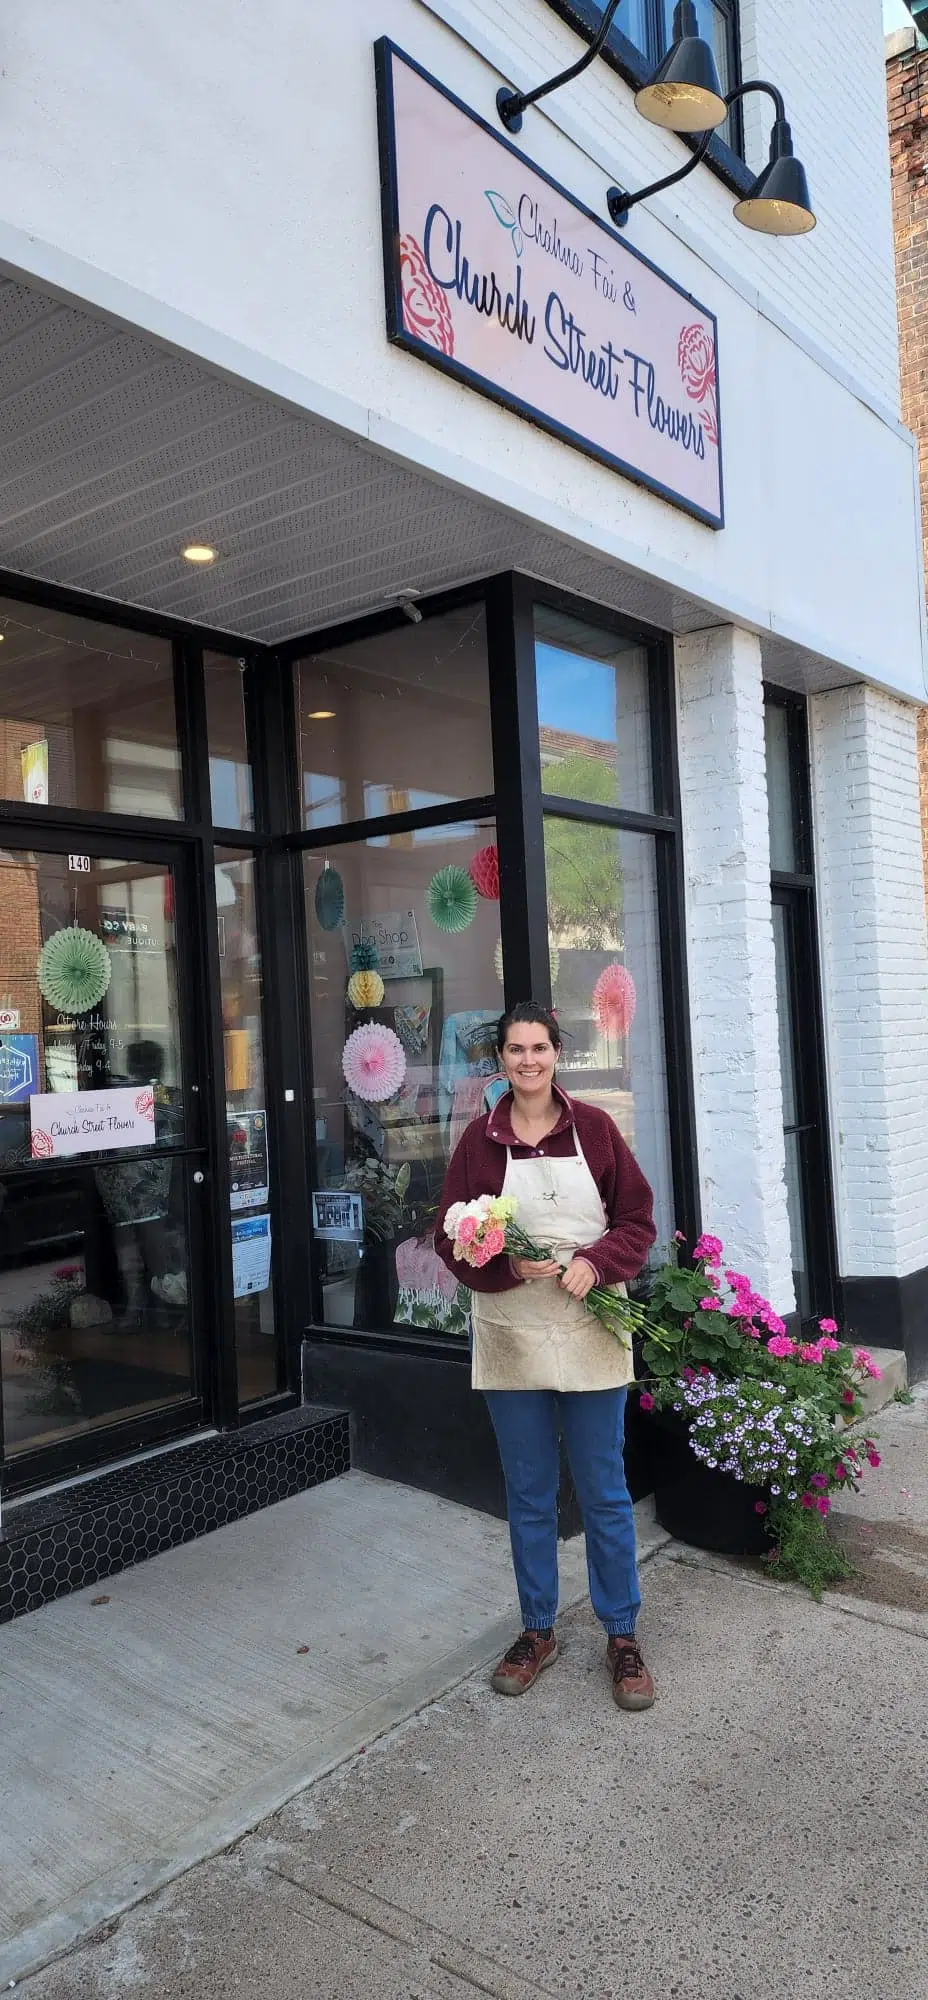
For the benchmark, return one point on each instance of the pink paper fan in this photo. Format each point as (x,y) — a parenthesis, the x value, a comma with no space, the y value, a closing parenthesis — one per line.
(374,1062)
(614,1001)
(483,870)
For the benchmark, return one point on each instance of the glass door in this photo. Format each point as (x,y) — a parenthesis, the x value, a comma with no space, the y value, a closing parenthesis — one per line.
(102,1152)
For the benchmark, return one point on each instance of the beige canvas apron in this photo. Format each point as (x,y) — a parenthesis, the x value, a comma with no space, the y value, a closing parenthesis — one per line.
(536,1336)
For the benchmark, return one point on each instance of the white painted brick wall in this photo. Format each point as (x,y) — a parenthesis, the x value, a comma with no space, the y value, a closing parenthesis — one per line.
(732,978)
(874,952)
(838,283)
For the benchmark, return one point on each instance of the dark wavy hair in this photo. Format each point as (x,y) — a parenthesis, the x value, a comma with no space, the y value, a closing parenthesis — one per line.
(530,1014)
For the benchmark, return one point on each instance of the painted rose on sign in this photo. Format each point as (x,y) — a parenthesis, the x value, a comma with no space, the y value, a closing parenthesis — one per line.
(696,355)
(425,308)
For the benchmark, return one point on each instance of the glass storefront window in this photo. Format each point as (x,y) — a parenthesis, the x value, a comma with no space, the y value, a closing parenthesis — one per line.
(94,1239)
(86,715)
(397,722)
(593,713)
(246,1115)
(229,769)
(402,912)
(781,806)
(604,940)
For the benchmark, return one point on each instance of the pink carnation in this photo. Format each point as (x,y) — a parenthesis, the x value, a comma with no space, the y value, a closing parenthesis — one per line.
(494,1241)
(828,1325)
(467,1229)
(479,1256)
(781,1346)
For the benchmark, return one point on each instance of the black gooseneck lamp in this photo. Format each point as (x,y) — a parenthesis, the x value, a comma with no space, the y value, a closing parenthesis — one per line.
(685,95)
(777,204)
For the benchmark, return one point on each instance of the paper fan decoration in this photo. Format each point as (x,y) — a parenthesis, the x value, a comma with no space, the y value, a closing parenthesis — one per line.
(365,989)
(74,970)
(330,899)
(554,961)
(483,870)
(365,956)
(614,1001)
(373,1062)
(451,899)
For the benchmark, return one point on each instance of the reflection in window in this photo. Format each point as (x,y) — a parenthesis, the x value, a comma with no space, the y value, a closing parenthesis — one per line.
(94,1259)
(593,713)
(389,723)
(86,715)
(648,25)
(229,768)
(606,985)
(247,1129)
(404,946)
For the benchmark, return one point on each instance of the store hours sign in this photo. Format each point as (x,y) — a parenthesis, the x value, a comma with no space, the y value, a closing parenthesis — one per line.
(497,276)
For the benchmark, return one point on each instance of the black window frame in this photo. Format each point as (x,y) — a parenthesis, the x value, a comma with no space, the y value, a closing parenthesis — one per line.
(635,66)
(519,807)
(794,891)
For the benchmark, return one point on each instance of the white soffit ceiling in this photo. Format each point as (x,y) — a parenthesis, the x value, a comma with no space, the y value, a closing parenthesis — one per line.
(115,451)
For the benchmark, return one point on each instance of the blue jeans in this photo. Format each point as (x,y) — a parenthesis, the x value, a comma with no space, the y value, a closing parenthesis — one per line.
(527,1422)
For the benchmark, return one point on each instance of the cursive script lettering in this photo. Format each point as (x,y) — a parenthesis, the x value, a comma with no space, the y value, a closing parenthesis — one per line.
(567,347)
(536,227)
(664,417)
(451,269)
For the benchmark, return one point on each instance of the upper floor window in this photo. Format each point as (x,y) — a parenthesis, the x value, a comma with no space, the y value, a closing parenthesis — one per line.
(648,26)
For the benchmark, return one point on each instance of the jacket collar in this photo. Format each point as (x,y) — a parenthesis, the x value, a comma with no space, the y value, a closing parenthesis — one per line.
(499,1122)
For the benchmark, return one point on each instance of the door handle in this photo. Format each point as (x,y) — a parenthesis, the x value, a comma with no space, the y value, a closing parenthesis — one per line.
(198,1178)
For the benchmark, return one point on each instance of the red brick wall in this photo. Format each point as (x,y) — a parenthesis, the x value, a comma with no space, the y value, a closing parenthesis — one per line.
(907,95)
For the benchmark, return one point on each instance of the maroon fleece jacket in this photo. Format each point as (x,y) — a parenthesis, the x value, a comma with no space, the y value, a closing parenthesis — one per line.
(478,1166)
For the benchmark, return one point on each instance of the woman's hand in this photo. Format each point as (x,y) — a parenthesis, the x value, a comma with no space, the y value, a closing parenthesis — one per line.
(526,1267)
(579,1278)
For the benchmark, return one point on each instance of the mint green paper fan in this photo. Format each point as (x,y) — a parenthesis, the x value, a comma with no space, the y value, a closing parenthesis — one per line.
(365,956)
(330,899)
(74,970)
(451,899)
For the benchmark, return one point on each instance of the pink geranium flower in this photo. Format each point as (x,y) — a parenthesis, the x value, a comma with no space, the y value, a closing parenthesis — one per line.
(708,1250)
(829,1346)
(809,1352)
(646,1399)
(848,1396)
(828,1325)
(823,1504)
(760,1506)
(840,1471)
(710,1304)
(781,1347)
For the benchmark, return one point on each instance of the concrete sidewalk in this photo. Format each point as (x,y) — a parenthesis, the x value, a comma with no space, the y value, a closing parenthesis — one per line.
(757,1836)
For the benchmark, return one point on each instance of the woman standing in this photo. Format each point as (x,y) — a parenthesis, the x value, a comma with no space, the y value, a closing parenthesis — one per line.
(544,1363)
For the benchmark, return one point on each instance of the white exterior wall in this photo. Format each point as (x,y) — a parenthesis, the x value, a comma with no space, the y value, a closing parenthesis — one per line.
(871,896)
(211,174)
(732,975)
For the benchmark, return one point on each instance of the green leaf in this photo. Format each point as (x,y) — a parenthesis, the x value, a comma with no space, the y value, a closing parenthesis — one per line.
(502,209)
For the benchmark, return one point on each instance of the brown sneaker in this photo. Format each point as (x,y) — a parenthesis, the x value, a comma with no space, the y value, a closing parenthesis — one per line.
(532,1652)
(632,1686)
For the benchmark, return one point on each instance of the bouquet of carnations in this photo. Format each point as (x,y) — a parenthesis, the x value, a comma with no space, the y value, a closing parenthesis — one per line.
(486,1228)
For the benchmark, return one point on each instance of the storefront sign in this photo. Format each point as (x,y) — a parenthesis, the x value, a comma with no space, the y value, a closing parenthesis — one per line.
(498,276)
(90,1121)
(120,932)
(395,936)
(251,1255)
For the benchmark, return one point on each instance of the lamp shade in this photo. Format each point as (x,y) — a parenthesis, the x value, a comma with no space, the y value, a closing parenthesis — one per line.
(684,94)
(778,204)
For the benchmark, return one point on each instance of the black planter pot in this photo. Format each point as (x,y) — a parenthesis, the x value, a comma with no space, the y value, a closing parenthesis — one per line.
(708,1510)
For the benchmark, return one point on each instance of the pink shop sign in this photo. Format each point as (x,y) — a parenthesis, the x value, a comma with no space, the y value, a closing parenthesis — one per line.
(496,275)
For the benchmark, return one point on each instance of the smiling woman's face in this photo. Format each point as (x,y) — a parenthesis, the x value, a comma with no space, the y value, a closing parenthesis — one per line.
(528,1058)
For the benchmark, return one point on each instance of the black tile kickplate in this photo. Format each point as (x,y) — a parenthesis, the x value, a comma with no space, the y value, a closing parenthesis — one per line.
(94,1529)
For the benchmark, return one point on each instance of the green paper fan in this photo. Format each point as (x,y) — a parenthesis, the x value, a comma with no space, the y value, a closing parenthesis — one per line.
(330,899)
(74,970)
(451,899)
(365,957)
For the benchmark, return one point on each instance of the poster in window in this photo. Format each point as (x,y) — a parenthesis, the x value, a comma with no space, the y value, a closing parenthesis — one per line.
(251,1254)
(249,1181)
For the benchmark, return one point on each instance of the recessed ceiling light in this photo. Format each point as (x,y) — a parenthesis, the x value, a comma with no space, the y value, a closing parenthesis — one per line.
(320,715)
(199,552)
